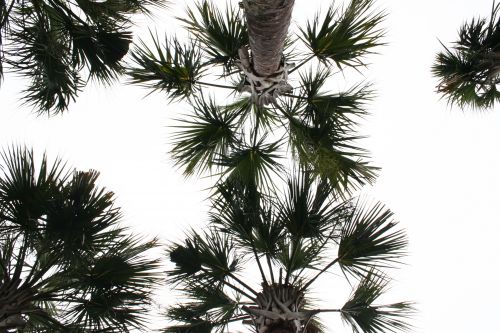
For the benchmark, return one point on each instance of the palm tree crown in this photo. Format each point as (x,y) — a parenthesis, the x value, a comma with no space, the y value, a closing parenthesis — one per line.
(246,138)
(51,41)
(289,240)
(469,73)
(65,263)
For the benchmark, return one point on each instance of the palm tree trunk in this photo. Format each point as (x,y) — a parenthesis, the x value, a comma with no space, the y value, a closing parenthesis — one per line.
(268,22)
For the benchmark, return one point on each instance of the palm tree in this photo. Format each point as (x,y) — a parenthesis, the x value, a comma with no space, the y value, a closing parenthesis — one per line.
(65,263)
(469,72)
(250,49)
(50,42)
(289,240)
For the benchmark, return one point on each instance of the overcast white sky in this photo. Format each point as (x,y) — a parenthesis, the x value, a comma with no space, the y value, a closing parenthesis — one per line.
(439,164)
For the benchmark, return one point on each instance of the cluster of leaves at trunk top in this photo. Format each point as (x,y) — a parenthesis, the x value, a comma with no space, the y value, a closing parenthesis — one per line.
(245,140)
(65,263)
(289,240)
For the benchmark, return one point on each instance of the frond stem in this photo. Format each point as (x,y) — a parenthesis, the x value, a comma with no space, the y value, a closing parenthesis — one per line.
(243,284)
(302,63)
(215,85)
(319,273)
(270,268)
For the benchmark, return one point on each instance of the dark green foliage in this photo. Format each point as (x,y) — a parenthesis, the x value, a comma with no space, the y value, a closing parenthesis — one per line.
(59,45)
(171,67)
(221,35)
(245,139)
(253,163)
(65,263)
(345,36)
(204,257)
(469,72)
(288,239)
(365,317)
(368,240)
(205,138)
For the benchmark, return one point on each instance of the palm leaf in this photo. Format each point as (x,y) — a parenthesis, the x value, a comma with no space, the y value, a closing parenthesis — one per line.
(365,317)
(204,257)
(171,67)
(469,72)
(345,37)
(368,239)
(306,213)
(114,288)
(205,138)
(46,60)
(330,154)
(252,164)
(81,218)
(221,35)
(26,192)
(210,305)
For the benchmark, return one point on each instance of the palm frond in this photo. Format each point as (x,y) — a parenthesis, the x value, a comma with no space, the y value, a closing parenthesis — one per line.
(119,10)
(26,192)
(204,139)
(345,36)
(253,164)
(298,254)
(99,50)
(306,213)
(330,154)
(199,326)
(369,240)
(221,35)
(114,287)
(210,305)
(246,109)
(203,257)
(236,210)
(365,317)
(170,67)
(340,109)
(81,219)
(469,72)
(41,55)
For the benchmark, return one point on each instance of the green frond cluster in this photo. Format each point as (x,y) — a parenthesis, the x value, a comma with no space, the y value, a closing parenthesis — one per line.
(171,67)
(288,239)
(205,138)
(59,45)
(345,36)
(221,35)
(469,72)
(368,239)
(366,317)
(244,139)
(65,263)
(322,132)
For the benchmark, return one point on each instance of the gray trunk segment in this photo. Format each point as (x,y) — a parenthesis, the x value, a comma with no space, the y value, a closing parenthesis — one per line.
(267,22)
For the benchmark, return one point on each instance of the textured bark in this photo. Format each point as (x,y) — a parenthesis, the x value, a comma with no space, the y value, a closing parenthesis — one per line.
(268,22)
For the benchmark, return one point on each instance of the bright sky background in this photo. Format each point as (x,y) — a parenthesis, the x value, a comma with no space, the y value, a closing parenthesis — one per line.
(439,164)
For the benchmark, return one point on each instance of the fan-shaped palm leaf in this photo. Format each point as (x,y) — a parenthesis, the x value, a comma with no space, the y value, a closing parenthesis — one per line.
(171,67)
(65,263)
(346,36)
(365,317)
(222,35)
(207,137)
(54,43)
(368,239)
(469,73)
(288,240)
(252,163)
